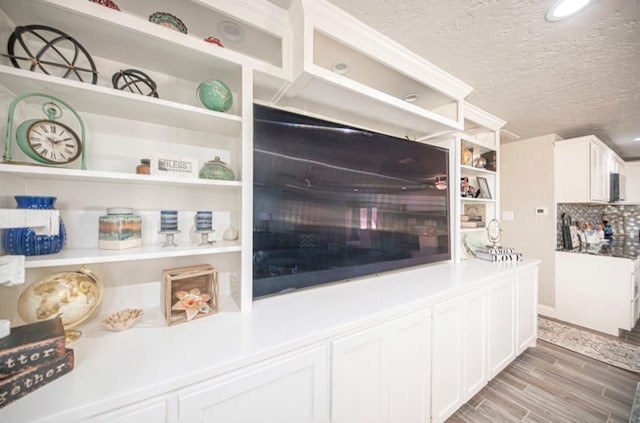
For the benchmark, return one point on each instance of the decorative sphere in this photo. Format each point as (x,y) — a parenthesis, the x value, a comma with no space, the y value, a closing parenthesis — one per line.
(74,296)
(481,162)
(215,95)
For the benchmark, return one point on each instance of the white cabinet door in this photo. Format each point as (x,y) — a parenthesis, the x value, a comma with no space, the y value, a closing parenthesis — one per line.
(290,389)
(527,309)
(596,170)
(409,368)
(152,411)
(381,374)
(360,374)
(474,343)
(446,363)
(583,299)
(502,322)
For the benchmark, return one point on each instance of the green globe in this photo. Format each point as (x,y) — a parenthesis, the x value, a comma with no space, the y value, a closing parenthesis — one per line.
(215,95)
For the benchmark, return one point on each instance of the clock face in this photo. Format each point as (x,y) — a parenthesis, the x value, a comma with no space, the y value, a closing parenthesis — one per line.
(53,142)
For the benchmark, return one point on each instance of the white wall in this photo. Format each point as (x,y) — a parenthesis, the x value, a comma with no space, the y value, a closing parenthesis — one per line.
(526,181)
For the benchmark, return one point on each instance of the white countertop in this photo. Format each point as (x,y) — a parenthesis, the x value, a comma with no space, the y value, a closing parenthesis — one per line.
(113,369)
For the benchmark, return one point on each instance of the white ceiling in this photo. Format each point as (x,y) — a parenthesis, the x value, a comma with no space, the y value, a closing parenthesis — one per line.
(575,77)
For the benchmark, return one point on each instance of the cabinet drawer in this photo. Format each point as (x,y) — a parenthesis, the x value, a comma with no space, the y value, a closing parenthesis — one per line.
(152,411)
(291,389)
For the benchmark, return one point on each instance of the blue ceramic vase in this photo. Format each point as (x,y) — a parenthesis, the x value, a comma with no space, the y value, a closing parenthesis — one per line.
(24,241)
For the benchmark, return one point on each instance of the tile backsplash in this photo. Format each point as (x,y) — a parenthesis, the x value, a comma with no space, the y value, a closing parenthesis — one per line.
(623,218)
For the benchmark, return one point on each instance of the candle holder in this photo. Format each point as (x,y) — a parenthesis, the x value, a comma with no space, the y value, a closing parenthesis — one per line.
(205,236)
(169,238)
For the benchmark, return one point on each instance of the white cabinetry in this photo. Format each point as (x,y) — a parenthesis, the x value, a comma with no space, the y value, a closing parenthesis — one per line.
(597,292)
(582,169)
(527,313)
(290,389)
(502,324)
(474,338)
(474,343)
(382,374)
(154,411)
(447,356)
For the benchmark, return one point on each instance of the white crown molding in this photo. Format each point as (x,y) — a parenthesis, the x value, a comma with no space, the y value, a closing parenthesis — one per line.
(335,22)
(479,116)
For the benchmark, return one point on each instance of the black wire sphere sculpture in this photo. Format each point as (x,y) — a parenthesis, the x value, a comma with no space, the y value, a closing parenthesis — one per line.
(135,81)
(50,51)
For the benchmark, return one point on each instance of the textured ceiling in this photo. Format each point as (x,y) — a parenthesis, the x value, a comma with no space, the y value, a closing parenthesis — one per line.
(575,77)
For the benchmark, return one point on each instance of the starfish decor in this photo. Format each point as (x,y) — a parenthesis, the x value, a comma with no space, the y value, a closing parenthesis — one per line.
(192,302)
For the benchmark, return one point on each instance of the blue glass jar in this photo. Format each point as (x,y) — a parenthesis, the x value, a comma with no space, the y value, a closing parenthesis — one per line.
(25,241)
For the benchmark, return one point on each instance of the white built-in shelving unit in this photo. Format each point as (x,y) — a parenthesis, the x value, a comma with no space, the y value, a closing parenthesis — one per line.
(286,59)
(481,136)
(124,127)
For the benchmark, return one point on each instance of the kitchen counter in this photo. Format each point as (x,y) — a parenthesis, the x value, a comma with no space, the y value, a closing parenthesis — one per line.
(620,247)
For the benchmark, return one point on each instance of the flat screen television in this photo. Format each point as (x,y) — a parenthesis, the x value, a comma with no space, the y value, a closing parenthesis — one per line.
(333,202)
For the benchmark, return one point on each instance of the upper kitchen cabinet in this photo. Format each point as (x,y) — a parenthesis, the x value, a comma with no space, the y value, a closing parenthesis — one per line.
(345,71)
(583,168)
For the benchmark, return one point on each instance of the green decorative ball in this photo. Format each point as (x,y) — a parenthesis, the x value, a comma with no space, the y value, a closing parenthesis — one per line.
(215,95)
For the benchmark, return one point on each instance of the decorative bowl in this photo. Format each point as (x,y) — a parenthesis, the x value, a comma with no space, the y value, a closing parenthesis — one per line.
(123,319)
(216,169)
(214,40)
(169,21)
(107,3)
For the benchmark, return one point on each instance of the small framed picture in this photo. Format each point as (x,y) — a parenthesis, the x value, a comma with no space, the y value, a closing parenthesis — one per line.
(483,186)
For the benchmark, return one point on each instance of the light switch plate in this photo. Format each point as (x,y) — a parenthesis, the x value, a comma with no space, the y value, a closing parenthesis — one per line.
(507,215)
(542,211)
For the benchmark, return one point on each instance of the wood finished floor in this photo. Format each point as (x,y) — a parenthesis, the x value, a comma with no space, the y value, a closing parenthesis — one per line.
(551,384)
(632,336)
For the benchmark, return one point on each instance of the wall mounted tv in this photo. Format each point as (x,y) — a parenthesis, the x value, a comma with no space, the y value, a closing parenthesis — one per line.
(333,202)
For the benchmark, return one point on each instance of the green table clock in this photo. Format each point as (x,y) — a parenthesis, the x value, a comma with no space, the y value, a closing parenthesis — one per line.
(47,140)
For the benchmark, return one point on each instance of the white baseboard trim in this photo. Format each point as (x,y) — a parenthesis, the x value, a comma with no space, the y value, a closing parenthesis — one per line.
(546,310)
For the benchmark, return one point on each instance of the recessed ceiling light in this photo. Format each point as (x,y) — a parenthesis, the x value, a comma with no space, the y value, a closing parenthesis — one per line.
(341,68)
(637,139)
(563,9)
(410,98)
(231,31)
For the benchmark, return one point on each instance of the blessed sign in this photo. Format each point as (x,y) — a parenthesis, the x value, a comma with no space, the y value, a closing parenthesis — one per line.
(174,165)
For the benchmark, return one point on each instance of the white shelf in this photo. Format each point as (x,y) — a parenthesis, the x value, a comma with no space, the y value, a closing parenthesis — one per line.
(105,33)
(68,257)
(63,174)
(316,92)
(465,230)
(476,170)
(477,200)
(111,102)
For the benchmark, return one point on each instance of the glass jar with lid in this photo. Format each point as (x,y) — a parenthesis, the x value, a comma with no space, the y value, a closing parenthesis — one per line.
(120,228)
(216,169)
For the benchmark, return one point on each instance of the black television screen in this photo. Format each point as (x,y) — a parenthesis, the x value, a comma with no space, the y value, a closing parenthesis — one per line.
(333,202)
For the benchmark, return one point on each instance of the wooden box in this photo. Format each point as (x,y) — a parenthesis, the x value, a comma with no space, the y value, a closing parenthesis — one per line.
(190,293)
(31,345)
(31,378)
